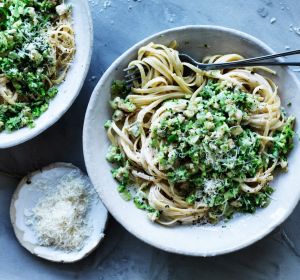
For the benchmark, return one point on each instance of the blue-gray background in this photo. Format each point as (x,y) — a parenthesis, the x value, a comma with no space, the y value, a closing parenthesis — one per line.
(118,24)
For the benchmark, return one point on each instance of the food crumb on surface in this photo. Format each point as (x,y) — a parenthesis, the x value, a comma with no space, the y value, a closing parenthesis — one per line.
(297,30)
(107,4)
(263,12)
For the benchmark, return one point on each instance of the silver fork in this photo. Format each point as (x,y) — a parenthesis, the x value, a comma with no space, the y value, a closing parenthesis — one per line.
(132,73)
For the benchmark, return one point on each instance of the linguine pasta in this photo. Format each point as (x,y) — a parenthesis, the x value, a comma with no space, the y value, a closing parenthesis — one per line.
(196,146)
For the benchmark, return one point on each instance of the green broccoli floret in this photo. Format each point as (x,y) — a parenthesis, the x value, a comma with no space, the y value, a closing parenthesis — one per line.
(121,174)
(119,88)
(125,194)
(122,104)
(251,201)
(141,203)
(283,142)
(107,124)
(191,199)
(114,155)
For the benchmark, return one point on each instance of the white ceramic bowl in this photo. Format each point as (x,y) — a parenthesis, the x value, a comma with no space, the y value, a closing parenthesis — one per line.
(70,88)
(26,196)
(207,240)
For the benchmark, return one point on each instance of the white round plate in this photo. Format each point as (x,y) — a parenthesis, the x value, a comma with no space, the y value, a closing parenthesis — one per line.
(27,195)
(70,88)
(199,240)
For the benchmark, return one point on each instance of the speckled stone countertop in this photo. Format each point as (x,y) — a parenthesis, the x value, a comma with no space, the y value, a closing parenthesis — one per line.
(118,24)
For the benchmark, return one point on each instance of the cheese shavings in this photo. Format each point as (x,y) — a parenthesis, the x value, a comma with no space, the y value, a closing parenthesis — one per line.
(60,217)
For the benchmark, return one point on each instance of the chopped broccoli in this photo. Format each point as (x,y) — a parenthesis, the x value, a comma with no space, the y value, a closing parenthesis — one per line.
(122,104)
(119,88)
(141,203)
(27,59)
(213,142)
(121,174)
(114,155)
(125,194)
(208,151)
(107,124)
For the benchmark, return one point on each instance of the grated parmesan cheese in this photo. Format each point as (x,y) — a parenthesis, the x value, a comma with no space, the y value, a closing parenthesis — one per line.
(60,217)
(211,186)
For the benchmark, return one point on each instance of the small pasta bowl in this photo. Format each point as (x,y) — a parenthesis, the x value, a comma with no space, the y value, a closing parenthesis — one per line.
(195,240)
(69,89)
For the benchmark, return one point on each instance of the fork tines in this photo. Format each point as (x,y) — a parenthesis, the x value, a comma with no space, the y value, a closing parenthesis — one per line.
(132,74)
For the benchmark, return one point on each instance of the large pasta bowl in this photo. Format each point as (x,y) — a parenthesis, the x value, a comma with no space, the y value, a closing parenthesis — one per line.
(69,89)
(196,240)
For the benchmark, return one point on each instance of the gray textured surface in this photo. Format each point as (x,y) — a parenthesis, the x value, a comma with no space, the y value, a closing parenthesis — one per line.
(117,25)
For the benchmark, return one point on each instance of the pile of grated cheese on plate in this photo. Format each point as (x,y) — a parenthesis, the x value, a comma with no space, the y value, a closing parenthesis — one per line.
(60,217)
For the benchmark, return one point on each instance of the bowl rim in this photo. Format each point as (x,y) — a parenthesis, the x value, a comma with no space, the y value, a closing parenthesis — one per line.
(90,169)
(34,132)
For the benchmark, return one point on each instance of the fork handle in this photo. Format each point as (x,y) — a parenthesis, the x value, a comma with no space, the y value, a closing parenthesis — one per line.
(253,61)
(228,65)
(269,56)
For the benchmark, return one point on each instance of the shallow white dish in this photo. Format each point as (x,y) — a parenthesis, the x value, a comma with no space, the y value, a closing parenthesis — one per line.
(70,88)
(205,240)
(27,195)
